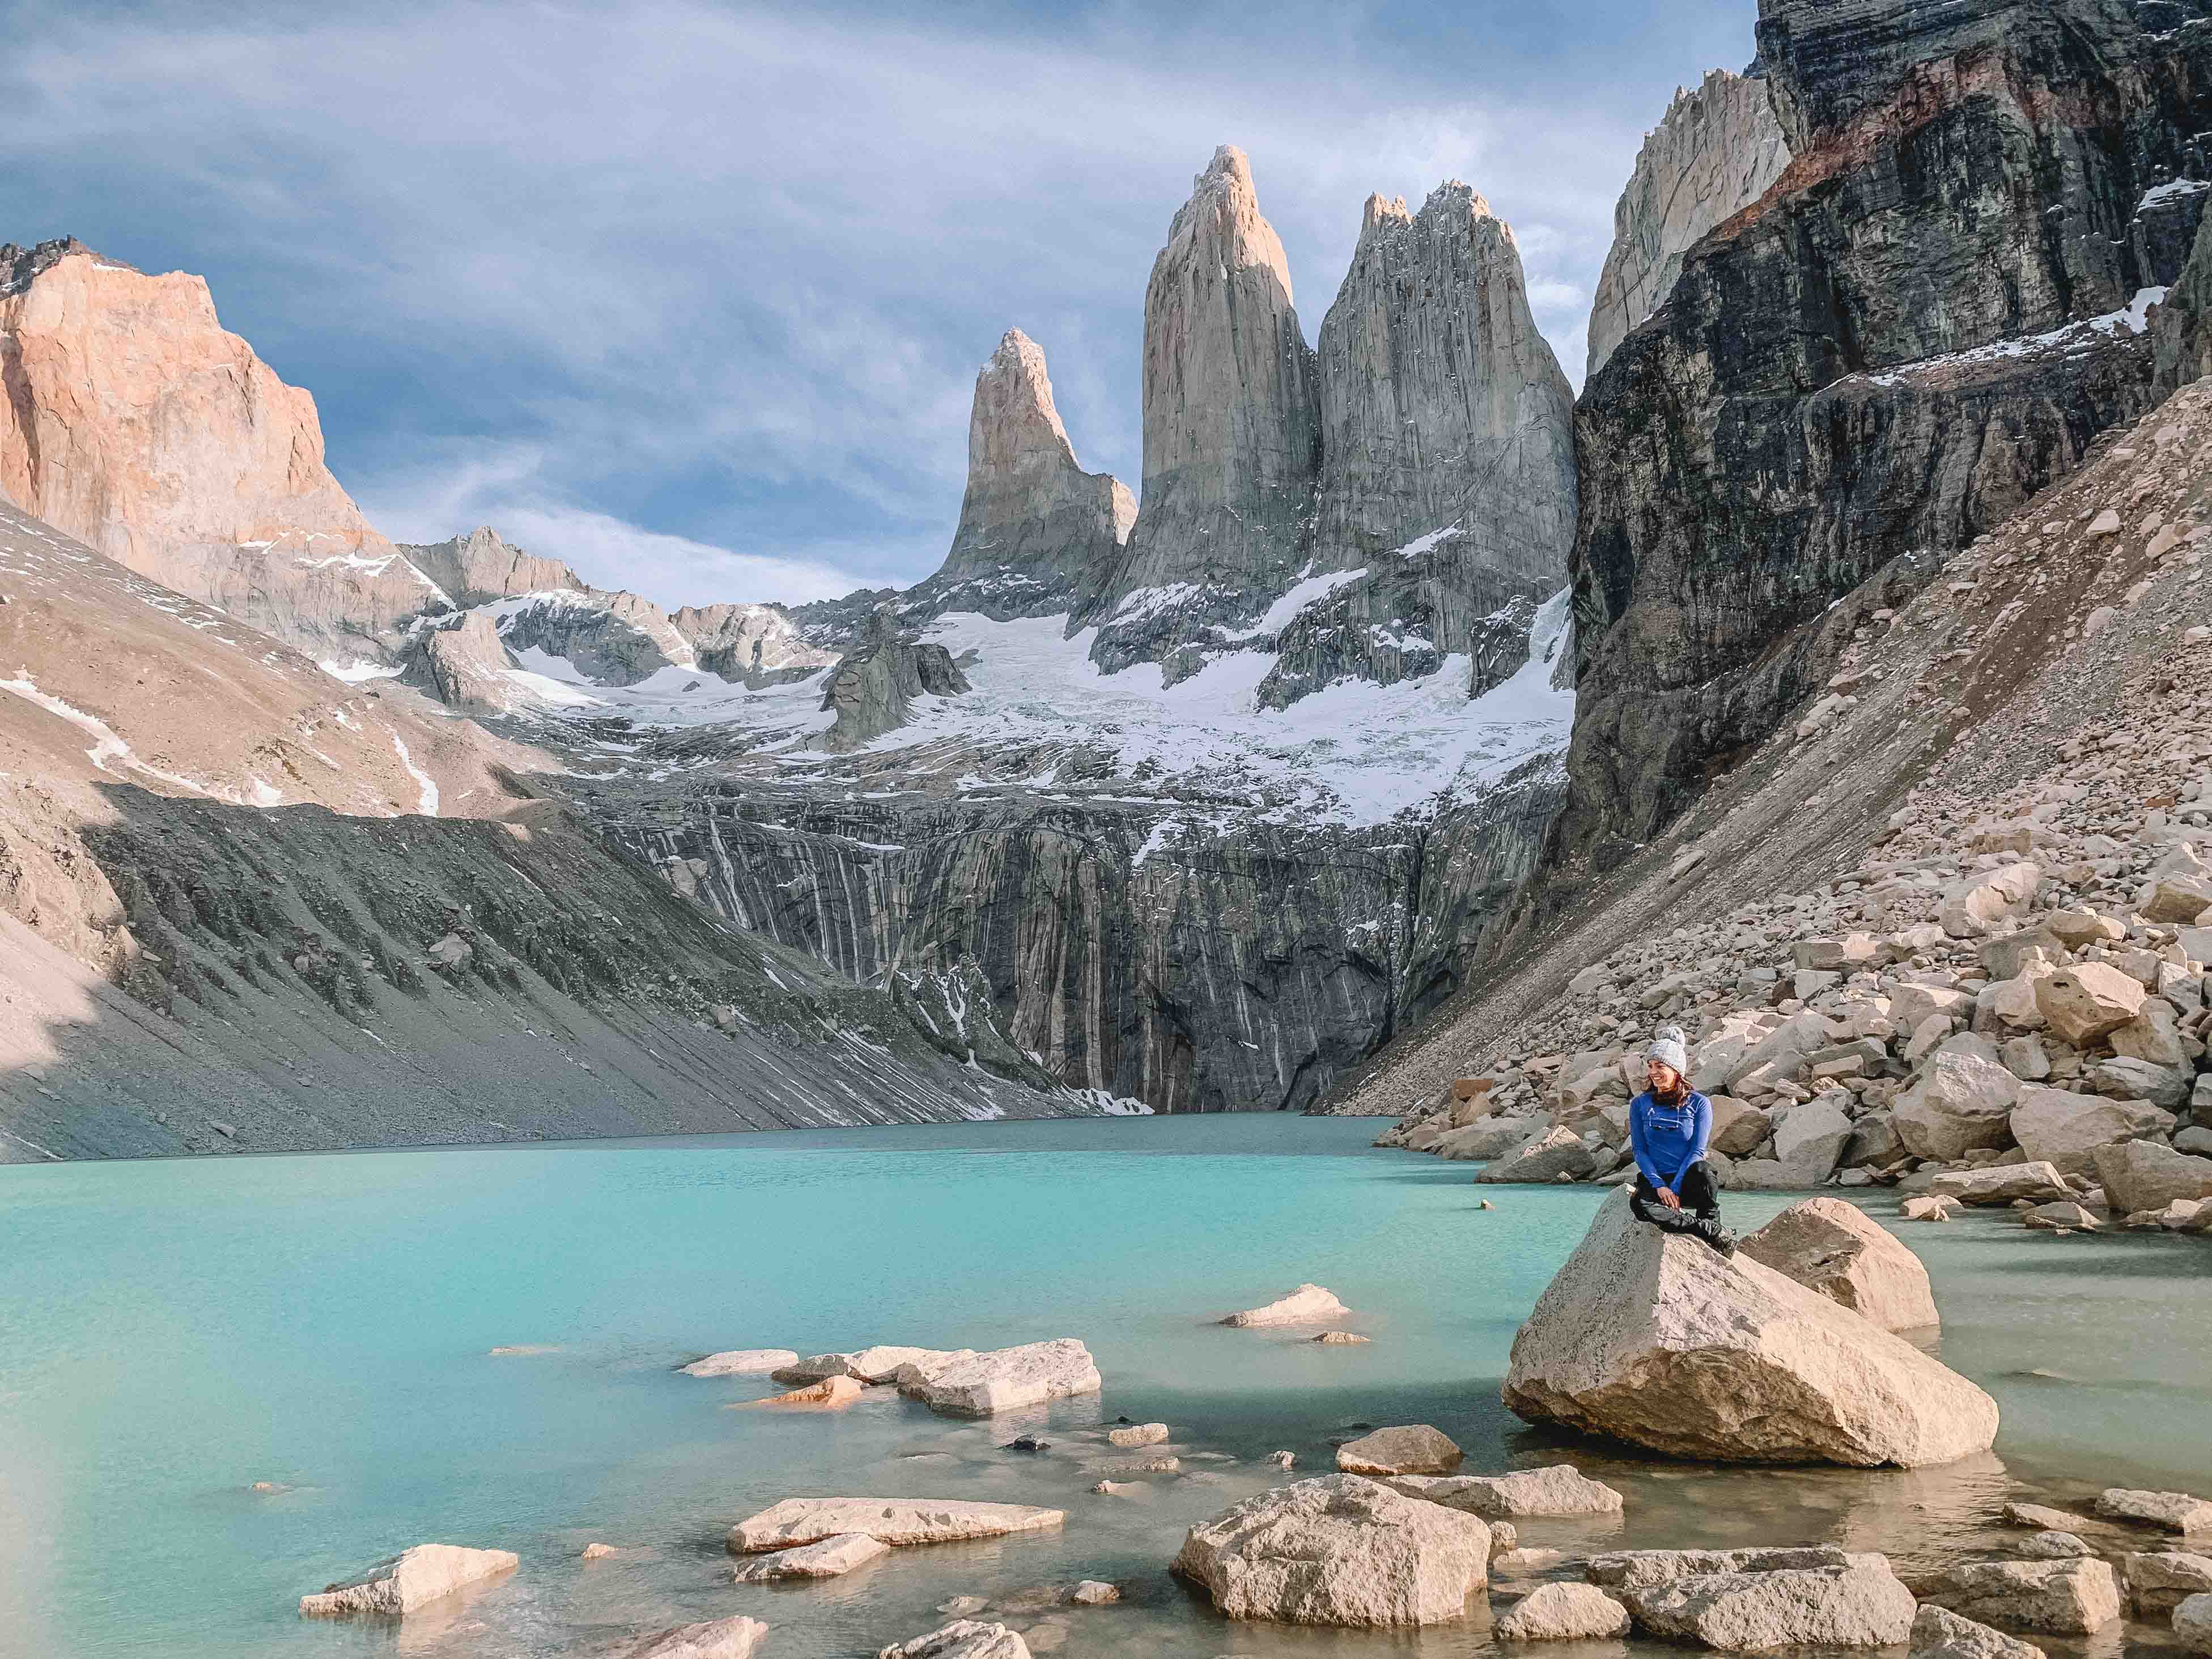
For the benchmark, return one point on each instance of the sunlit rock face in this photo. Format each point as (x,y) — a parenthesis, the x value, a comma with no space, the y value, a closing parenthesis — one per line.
(1714,154)
(135,423)
(1231,431)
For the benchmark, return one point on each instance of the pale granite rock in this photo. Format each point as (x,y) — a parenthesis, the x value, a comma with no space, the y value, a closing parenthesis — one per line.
(741,1362)
(2002,1183)
(2065,1597)
(1836,1249)
(829,1558)
(1560,1489)
(1003,1379)
(1939,1633)
(1309,1304)
(964,1638)
(2192,1623)
(410,1580)
(1563,1612)
(1642,1569)
(894,1521)
(1659,1341)
(1338,1549)
(757,644)
(1858,1605)
(1714,154)
(2162,1580)
(715,1638)
(1138,1434)
(2064,1129)
(482,567)
(2141,1175)
(2176,1512)
(1415,1448)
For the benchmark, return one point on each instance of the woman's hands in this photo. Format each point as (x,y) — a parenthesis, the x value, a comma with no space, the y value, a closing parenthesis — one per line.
(1667,1197)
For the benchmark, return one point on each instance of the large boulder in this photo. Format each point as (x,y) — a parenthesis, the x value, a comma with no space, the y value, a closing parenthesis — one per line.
(1338,1549)
(2192,1623)
(1811,1138)
(2141,1175)
(1657,1339)
(1414,1448)
(1858,1605)
(408,1580)
(2089,1001)
(2002,1183)
(2065,1597)
(1479,1143)
(1836,1249)
(1562,1489)
(1960,1101)
(2162,1580)
(894,1521)
(2064,1129)
(1563,1612)
(2176,1512)
(1545,1157)
(1981,902)
(1005,1379)
(1939,1633)
(715,1638)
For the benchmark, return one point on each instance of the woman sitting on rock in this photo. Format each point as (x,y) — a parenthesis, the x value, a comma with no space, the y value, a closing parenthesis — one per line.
(1668,1125)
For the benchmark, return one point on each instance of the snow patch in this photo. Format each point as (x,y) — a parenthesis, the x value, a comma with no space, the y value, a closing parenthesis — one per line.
(355,673)
(427,803)
(106,746)
(2135,317)
(1430,543)
(1307,591)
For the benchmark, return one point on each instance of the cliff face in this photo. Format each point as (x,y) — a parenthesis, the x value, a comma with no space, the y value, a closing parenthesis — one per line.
(133,422)
(1867,362)
(1448,476)
(1036,530)
(873,688)
(1714,154)
(480,568)
(1231,431)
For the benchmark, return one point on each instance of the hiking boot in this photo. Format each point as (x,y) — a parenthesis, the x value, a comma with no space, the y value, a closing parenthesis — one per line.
(1721,1240)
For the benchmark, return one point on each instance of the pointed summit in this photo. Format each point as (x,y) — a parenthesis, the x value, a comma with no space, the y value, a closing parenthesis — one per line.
(1383,210)
(1232,428)
(1036,529)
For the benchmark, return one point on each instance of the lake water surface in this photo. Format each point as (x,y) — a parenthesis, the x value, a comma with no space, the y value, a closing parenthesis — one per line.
(172,1333)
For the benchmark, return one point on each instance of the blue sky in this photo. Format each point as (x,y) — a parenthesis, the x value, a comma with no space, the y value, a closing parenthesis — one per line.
(693,296)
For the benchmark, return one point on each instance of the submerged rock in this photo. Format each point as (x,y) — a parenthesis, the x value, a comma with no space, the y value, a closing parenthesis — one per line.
(1838,1250)
(829,1558)
(716,1638)
(2176,1512)
(1562,1489)
(1939,1633)
(1642,1569)
(1138,1434)
(1414,1450)
(1309,1304)
(963,1638)
(1858,1605)
(1659,1341)
(894,1521)
(831,1394)
(1006,1378)
(1338,1550)
(408,1580)
(2066,1597)
(741,1362)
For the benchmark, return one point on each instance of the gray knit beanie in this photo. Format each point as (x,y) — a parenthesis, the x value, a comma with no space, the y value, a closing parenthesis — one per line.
(1670,1047)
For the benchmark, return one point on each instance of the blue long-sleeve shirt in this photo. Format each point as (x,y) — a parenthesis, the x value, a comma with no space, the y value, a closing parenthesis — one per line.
(1668,1139)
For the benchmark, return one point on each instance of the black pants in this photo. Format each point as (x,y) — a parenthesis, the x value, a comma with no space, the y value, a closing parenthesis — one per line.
(1701,1214)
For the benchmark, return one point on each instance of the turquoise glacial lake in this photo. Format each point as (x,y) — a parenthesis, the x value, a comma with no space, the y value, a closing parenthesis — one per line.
(173,1333)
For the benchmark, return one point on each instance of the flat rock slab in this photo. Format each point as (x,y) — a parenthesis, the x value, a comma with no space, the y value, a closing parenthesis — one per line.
(2160,1581)
(1642,1569)
(831,1394)
(1659,1341)
(1138,1434)
(2176,1512)
(1564,1612)
(1309,1304)
(1861,1604)
(1415,1448)
(2037,1183)
(1560,1490)
(2065,1598)
(1939,1633)
(1338,1549)
(741,1362)
(894,1521)
(717,1638)
(2040,1517)
(1006,1379)
(1836,1249)
(830,1558)
(408,1580)
(963,1638)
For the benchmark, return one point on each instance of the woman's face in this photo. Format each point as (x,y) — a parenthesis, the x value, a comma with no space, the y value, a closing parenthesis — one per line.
(1661,1076)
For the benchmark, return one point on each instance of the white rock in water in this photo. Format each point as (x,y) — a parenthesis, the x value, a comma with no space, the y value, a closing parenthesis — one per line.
(1414,1448)
(2067,1597)
(1006,1378)
(1860,1605)
(741,1362)
(1642,1569)
(2001,1183)
(2064,1129)
(1658,1340)
(1138,1434)
(1939,1633)
(964,1638)
(2161,1581)
(1338,1549)
(1562,1489)
(1563,1612)
(1309,1304)
(717,1638)
(826,1559)
(408,1580)
(2177,1511)
(2141,1175)
(1836,1249)
(893,1520)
